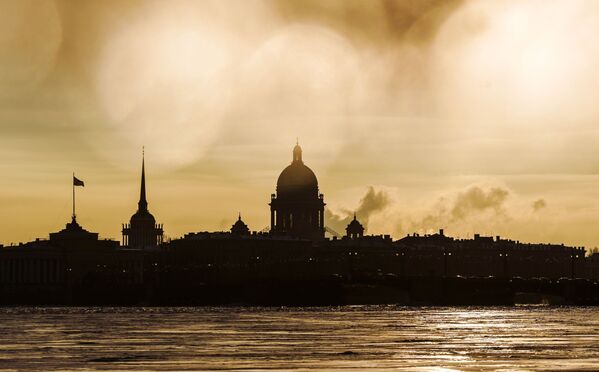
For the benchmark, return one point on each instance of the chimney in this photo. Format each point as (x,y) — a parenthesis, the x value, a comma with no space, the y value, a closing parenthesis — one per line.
(441,232)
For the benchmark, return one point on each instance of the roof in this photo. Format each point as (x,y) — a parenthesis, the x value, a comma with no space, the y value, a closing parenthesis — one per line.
(297,178)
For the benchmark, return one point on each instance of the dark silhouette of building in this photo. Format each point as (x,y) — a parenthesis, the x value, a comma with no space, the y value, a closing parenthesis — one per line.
(482,256)
(239,228)
(142,232)
(297,209)
(73,232)
(354,229)
(291,264)
(53,270)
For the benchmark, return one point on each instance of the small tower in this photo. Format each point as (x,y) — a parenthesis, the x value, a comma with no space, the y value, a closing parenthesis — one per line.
(354,229)
(239,228)
(142,232)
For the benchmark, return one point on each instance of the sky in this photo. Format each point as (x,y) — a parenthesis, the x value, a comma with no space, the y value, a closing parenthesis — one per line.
(470,116)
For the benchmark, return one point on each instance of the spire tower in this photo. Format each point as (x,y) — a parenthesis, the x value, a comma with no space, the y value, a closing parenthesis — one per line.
(143,203)
(142,232)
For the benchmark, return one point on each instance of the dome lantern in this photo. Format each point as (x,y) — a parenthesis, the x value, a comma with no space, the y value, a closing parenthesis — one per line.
(297,153)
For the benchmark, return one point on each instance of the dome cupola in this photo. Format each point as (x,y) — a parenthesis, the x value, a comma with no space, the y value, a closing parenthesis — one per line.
(354,229)
(297,180)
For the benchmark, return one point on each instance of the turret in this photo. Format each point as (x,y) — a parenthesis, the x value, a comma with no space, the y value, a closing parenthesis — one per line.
(354,229)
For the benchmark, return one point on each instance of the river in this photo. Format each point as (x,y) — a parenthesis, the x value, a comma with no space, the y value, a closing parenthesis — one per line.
(335,338)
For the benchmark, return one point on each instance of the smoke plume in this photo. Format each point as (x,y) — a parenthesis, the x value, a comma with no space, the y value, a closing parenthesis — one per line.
(372,202)
(475,202)
(539,204)
(475,199)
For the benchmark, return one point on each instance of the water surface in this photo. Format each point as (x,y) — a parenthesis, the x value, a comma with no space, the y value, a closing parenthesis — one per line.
(339,338)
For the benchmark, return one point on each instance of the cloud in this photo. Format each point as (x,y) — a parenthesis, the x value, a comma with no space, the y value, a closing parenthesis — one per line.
(475,205)
(484,203)
(381,22)
(372,202)
(377,91)
(539,204)
(216,75)
(476,199)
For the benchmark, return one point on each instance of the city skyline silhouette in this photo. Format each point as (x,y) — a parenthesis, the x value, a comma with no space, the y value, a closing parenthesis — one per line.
(473,198)
(433,124)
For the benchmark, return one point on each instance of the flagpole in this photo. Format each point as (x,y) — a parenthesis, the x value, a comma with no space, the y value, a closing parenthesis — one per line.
(73,181)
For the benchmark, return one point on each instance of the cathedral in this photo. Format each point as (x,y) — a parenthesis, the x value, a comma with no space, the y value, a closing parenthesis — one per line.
(297,208)
(142,232)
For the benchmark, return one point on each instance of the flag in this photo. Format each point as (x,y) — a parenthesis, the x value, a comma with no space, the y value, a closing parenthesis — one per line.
(77,182)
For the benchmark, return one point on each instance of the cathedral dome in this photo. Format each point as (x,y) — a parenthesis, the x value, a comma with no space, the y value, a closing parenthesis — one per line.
(297,175)
(297,209)
(297,179)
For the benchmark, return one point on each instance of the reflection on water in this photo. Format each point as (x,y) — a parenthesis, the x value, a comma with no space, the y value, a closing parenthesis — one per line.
(355,337)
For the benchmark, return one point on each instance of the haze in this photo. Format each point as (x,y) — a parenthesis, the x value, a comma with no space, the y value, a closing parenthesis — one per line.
(472,116)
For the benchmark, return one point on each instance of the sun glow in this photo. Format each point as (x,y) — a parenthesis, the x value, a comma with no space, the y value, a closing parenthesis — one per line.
(523,60)
(171,81)
(164,76)
(301,81)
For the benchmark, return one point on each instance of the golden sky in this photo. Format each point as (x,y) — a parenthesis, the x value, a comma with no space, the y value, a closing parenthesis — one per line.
(472,116)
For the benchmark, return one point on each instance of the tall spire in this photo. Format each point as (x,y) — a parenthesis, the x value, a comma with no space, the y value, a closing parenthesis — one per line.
(143,203)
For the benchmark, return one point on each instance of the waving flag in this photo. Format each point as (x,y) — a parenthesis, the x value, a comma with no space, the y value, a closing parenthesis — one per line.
(77,182)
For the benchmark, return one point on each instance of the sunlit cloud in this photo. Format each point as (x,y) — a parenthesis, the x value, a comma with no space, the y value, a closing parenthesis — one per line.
(163,80)
(519,63)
